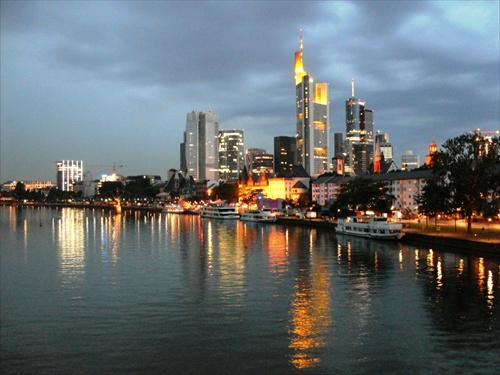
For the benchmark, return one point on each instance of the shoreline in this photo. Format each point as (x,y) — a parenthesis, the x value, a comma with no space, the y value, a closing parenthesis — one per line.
(488,243)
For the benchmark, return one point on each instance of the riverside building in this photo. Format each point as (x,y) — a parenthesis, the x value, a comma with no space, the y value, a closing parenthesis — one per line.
(68,173)
(312,120)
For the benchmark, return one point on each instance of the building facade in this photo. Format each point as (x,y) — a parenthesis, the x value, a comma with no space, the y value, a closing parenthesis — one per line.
(284,154)
(312,120)
(68,173)
(409,161)
(404,185)
(359,135)
(200,146)
(231,154)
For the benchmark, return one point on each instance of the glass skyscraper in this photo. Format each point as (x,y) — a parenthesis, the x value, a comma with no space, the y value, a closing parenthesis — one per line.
(231,154)
(312,120)
(359,135)
(201,144)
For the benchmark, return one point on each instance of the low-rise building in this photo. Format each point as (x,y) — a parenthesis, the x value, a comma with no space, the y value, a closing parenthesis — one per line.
(404,185)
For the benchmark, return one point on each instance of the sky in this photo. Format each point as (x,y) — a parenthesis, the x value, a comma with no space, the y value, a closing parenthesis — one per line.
(111,82)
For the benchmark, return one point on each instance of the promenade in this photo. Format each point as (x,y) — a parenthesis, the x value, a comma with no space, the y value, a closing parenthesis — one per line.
(485,237)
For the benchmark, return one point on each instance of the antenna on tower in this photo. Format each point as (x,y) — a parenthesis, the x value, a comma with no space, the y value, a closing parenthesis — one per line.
(352,87)
(301,43)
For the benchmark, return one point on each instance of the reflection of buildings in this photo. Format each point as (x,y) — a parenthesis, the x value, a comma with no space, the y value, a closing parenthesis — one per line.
(310,311)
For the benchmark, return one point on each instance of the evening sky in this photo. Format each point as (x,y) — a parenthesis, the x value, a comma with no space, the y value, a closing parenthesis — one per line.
(107,82)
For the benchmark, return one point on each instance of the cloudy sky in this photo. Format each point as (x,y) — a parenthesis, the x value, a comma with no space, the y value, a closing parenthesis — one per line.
(107,82)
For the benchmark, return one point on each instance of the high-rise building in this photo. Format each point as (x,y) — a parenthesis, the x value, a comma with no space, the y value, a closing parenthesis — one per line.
(68,173)
(251,152)
(231,154)
(359,135)
(409,161)
(284,154)
(262,163)
(201,158)
(312,120)
(386,149)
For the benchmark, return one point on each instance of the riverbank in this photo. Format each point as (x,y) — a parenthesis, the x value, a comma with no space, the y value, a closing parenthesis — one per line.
(485,240)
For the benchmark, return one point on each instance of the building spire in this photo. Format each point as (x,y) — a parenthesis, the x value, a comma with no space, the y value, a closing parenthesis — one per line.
(301,42)
(352,87)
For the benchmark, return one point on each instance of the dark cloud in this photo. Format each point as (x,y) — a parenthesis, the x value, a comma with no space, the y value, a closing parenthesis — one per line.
(95,80)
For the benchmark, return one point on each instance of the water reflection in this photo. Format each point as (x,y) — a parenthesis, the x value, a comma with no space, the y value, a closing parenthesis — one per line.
(311,317)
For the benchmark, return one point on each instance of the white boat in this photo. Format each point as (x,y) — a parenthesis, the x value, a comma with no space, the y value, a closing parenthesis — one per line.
(377,227)
(216,211)
(258,216)
(173,209)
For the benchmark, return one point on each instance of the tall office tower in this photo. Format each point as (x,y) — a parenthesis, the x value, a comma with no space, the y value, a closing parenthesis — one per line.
(386,149)
(231,154)
(68,173)
(409,161)
(312,120)
(262,163)
(251,152)
(201,145)
(284,155)
(359,135)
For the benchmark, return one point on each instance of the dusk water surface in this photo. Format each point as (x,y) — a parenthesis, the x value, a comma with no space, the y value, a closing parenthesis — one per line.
(87,292)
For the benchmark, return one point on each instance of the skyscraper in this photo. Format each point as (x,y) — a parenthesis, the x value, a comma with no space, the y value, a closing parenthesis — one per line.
(231,154)
(201,145)
(359,135)
(284,154)
(312,120)
(68,173)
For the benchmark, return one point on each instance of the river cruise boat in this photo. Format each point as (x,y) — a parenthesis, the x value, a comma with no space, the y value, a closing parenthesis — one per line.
(173,209)
(377,227)
(217,211)
(258,216)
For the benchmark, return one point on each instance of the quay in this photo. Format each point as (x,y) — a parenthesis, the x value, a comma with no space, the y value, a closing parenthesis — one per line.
(485,237)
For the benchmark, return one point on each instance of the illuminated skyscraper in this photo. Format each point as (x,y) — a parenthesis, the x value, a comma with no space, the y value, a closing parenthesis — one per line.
(359,135)
(312,120)
(231,154)
(284,154)
(68,173)
(201,144)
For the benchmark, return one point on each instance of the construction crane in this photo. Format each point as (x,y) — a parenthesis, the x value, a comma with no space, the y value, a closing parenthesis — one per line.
(114,166)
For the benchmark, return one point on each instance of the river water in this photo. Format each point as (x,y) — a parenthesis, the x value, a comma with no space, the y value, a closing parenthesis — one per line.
(88,292)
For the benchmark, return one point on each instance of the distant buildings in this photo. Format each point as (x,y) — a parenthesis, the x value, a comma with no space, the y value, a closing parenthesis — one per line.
(432,149)
(409,161)
(359,135)
(312,120)
(285,149)
(231,154)
(68,173)
(199,151)
(404,185)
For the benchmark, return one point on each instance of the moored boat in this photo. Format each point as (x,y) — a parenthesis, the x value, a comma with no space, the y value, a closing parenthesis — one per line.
(219,211)
(377,227)
(258,216)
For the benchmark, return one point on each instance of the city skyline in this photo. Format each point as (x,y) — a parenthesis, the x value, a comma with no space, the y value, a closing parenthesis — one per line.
(107,82)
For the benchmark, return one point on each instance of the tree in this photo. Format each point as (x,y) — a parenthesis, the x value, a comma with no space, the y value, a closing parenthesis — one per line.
(469,167)
(364,194)
(227,191)
(435,199)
